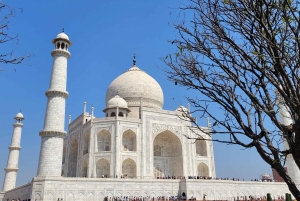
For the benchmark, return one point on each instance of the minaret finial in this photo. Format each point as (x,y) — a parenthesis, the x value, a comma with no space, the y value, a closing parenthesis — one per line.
(63,30)
(134,60)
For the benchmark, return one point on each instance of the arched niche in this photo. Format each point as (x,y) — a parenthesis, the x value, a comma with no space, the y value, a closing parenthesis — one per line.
(84,169)
(129,168)
(201,148)
(167,153)
(86,143)
(202,170)
(103,168)
(104,141)
(129,141)
(73,154)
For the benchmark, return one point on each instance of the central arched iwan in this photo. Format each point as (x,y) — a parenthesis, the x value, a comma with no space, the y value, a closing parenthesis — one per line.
(167,153)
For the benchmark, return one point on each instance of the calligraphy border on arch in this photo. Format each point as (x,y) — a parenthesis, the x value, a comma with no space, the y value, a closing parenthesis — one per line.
(97,158)
(158,128)
(124,157)
(133,129)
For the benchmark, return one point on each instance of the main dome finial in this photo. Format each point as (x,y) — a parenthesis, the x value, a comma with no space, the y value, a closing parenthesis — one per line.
(134,60)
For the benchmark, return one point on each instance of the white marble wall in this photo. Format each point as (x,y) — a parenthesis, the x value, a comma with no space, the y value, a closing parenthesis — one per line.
(145,130)
(92,189)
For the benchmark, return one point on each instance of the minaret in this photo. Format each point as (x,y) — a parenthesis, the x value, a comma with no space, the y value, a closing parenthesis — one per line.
(285,119)
(50,161)
(13,157)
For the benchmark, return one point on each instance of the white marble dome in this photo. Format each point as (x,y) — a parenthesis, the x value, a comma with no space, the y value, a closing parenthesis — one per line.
(19,116)
(62,35)
(117,101)
(181,108)
(135,85)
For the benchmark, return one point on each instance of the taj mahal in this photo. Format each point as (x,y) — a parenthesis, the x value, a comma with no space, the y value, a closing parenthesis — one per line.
(137,149)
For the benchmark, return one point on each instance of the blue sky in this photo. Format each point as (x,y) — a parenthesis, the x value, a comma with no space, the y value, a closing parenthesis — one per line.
(104,35)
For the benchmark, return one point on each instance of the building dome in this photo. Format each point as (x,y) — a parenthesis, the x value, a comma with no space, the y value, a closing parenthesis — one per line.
(182,109)
(135,85)
(266,176)
(19,116)
(62,35)
(116,101)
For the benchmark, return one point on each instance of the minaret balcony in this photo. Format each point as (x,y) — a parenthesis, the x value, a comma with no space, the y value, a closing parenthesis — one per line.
(11,169)
(64,94)
(61,52)
(14,147)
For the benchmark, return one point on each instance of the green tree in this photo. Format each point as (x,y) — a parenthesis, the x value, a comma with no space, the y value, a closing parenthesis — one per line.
(7,57)
(237,54)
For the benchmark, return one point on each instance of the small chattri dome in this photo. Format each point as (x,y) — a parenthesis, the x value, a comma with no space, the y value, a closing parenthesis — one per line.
(62,35)
(266,176)
(182,109)
(117,101)
(19,116)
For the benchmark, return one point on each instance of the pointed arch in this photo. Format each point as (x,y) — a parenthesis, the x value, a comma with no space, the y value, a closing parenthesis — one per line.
(86,143)
(70,197)
(90,197)
(167,153)
(80,197)
(129,141)
(103,168)
(203,170)
(201,148)
(104,141)
(72,164)
(129,168)
(62,45)
(50,196)
(37,196)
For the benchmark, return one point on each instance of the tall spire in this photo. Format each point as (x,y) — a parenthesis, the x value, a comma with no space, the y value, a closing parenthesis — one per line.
(51,151)
(134,60)
(13,157)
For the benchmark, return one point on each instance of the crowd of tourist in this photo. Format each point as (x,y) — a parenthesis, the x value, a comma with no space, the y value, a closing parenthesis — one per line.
(172,198)
(210,178)
(148,198)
